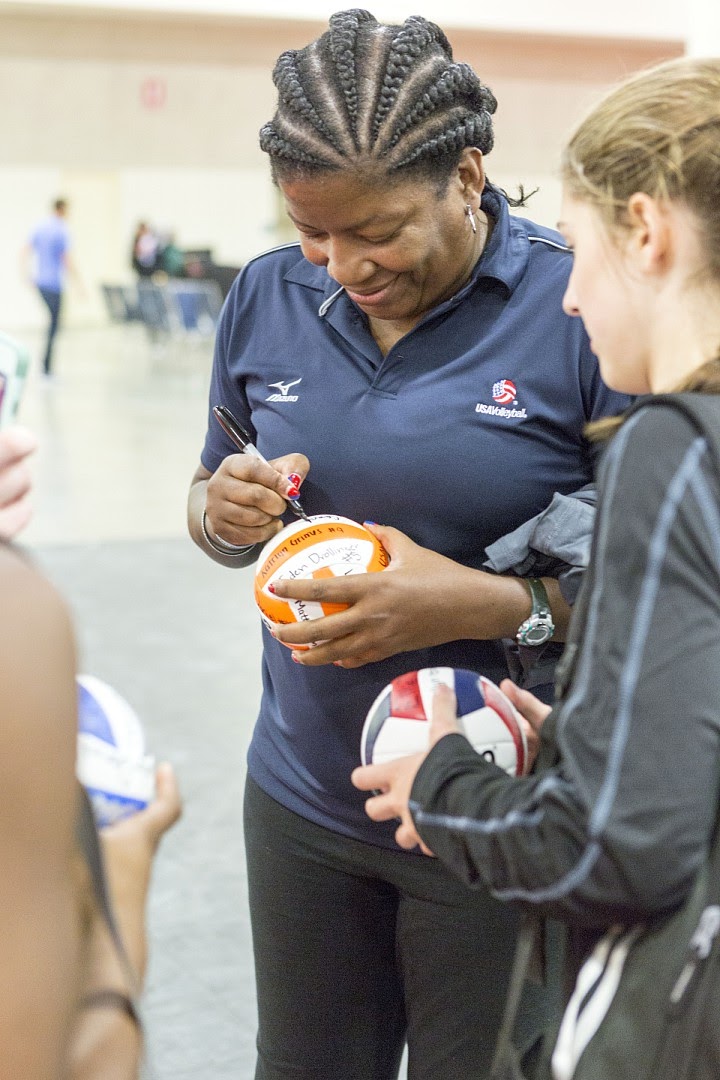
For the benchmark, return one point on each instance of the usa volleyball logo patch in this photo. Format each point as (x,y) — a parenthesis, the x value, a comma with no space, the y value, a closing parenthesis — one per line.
(504,391)
(504,394)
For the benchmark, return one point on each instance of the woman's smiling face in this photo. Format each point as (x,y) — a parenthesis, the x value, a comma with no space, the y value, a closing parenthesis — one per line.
(398,249)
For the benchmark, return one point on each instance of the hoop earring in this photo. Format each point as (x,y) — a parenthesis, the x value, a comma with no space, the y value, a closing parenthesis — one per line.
(471,216)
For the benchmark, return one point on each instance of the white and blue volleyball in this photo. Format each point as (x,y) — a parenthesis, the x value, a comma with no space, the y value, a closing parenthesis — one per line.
(112,764)
(398,722)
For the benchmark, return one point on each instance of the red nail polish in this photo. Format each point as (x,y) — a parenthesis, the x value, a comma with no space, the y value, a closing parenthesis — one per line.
(295,479)
(293,492)
(295,658)
(271,588)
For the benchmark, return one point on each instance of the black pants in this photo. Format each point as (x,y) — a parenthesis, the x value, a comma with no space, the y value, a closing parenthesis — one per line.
(358,948)
(53,300)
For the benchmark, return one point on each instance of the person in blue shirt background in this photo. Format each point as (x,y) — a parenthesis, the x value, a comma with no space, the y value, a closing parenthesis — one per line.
(49,248)
(411,363)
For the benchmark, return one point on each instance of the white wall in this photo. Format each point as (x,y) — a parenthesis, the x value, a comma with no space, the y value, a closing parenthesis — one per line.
(74,123)
(231,211)
(657,19)
(703,28)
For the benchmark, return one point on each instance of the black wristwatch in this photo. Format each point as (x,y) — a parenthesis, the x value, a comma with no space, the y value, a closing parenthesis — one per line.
(539,627)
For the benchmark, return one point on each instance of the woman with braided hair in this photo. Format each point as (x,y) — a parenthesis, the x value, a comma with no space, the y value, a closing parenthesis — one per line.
(411,364)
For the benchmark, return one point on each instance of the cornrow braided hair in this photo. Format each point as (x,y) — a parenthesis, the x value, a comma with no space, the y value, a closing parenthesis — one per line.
(342,43)
(377,97)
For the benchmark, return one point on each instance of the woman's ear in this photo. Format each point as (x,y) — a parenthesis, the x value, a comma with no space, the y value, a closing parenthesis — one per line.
(471,174)
(649,240)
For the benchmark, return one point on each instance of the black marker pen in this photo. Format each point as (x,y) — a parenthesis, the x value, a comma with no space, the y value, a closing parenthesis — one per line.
(232,427)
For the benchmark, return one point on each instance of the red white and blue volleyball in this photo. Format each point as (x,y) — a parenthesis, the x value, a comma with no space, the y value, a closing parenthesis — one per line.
(398,722)
(112,764)
(504,391)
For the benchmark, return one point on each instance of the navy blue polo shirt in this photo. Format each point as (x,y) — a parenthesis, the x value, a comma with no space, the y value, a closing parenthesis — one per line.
(462,432)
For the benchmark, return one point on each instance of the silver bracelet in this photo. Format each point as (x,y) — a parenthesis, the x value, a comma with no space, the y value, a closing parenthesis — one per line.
(222,546)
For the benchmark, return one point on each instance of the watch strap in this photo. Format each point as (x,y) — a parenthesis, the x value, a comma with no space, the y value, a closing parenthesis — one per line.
(538,628)
(539,596)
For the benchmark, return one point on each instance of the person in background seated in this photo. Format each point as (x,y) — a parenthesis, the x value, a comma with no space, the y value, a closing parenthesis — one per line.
(145,254)
(172,258)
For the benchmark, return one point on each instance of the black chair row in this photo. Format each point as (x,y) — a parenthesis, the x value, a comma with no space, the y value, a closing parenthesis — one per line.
(178,307)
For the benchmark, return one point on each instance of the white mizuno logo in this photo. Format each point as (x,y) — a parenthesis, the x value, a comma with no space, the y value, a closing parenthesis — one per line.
(284,388)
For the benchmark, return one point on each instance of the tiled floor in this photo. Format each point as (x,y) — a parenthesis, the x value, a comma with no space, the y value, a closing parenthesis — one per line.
(120,428)
(121,425)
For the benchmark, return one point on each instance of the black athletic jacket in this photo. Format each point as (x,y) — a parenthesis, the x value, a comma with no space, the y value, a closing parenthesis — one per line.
(615,829)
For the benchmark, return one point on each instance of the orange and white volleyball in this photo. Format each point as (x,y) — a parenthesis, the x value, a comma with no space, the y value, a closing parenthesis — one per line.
(325,546)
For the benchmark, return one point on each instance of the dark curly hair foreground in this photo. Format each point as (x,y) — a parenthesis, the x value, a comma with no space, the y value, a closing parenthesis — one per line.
(379,98)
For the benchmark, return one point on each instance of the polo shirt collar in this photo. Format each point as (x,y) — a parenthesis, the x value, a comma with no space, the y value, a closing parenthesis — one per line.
(506,256)
(504,259)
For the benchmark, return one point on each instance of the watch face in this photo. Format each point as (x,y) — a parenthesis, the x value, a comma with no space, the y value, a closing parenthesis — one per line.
(536,635)
(536,630)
